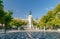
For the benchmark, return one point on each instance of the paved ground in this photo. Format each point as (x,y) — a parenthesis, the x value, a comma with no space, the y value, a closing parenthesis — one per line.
(9,31)
(30,34)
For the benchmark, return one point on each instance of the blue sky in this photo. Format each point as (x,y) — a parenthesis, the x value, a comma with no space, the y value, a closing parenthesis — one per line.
(21,8)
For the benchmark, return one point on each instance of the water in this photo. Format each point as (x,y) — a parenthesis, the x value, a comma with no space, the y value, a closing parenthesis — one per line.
(31,35)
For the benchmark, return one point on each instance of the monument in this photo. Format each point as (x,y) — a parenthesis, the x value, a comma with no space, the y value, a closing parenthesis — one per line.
(30,24)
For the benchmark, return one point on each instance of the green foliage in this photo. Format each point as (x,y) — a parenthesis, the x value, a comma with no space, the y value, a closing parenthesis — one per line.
(18,22)
(57,8)
(51,19)
(8,16)
(7,19)
(2,14)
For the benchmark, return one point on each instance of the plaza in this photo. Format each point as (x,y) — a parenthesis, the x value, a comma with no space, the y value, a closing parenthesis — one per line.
(31,35)
(29,19)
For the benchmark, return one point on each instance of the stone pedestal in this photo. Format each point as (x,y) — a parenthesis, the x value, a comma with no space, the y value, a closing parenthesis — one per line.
(30,24)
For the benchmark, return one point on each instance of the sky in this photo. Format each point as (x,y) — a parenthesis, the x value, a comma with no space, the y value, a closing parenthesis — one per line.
(21,8)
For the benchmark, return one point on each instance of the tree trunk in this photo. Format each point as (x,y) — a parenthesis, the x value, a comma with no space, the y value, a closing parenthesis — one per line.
(5,28)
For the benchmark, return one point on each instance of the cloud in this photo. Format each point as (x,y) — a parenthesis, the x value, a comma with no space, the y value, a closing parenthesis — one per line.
(49,8)
(17,10)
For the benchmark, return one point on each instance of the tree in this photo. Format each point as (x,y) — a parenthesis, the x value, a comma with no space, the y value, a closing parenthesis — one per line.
(57,8)
(7,19)
(18,22)
(2,14)
(52,18)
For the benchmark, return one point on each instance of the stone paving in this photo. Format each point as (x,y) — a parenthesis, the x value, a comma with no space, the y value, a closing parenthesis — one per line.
(30,35)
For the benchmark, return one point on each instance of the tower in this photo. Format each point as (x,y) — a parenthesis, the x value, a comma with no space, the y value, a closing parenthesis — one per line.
(30,24)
